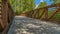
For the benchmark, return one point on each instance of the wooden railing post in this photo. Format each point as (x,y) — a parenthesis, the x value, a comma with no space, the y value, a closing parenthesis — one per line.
(46,13)
(37,13)
(4,12)
(42,13)
(32,12)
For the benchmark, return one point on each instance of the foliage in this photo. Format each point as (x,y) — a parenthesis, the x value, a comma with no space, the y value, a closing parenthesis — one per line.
(22,5)
(55,1)
(42,4)
(0,0)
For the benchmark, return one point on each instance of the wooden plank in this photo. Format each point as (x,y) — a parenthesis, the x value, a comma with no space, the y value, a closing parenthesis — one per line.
(42,14)
(46,13)
(37,12)
(4,13)
(32,14)
(7,11)
(1,15)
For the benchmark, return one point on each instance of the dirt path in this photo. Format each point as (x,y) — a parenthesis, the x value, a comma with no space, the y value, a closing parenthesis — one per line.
(25,25)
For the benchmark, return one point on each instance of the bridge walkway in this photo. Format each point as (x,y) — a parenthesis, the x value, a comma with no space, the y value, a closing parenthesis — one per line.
(25,25)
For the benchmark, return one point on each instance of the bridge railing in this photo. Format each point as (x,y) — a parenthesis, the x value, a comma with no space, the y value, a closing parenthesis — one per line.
(7,16)
(42,13)
(10,13)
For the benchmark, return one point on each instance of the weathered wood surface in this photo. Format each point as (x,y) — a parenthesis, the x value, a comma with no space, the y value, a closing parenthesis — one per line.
(25,25)
(6,15)
(44,13)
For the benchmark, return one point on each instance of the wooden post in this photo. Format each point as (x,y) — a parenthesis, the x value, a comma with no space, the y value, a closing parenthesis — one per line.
(1,23)
(37,14)
(32,14)
(46,13)
(42,13)
(7,11)
(4,12)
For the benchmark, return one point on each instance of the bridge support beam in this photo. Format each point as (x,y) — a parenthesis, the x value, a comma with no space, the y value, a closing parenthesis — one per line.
(4,12)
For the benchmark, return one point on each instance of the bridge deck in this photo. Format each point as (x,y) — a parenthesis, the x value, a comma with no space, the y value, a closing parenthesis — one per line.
(25,25)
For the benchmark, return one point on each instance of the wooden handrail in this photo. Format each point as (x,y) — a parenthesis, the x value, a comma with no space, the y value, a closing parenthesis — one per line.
(32,13)
(50,6)
(54,13)
(7,15)
(10,19)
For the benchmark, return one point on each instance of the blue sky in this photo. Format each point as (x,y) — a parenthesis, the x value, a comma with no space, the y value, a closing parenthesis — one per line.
(38,1)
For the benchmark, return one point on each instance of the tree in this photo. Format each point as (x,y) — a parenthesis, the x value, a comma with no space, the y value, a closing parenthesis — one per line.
(55,1)
(22,5)
(42,4)
(27,5)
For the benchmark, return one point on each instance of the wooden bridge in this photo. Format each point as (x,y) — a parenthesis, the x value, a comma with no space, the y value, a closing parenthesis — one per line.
(8,19)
